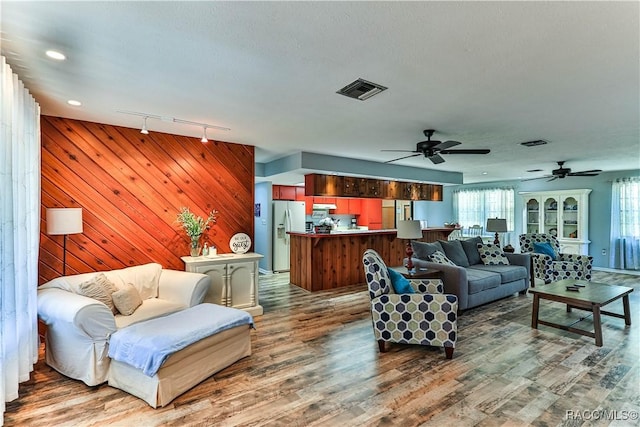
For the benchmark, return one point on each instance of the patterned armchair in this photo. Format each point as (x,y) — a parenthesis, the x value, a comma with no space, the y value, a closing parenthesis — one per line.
(567,266)
(427,317)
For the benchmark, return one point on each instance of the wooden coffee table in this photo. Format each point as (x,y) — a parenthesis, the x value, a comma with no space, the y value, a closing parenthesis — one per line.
(591,297)
(420,273)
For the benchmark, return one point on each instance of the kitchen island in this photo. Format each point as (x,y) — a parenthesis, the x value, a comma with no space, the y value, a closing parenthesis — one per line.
(326,261)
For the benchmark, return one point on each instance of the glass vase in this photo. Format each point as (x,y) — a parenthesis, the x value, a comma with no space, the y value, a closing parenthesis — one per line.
(195,247)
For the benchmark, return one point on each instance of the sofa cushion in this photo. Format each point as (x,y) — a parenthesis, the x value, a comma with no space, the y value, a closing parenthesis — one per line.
(480,280)
(127,299)
(508,273)
(99,288)
(424,250)
(144,277)
(491,254)
(399,283)
(150,308)
(453,250)
(470,247)
(441,258)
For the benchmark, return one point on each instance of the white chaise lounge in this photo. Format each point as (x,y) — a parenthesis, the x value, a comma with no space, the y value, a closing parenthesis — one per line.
(79,327)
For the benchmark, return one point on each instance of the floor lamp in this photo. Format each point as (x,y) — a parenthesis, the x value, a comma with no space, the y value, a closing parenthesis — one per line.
(64,221)
(496,225)
(410,230)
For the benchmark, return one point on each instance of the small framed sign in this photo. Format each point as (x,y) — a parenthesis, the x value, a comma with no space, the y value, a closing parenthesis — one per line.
(240,243)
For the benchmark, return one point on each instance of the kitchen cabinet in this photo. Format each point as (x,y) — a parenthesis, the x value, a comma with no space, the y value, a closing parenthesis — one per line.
(284,192)
(371,215)
(234,279)
(351,186)
(346,206)
(561,213)
(344,186)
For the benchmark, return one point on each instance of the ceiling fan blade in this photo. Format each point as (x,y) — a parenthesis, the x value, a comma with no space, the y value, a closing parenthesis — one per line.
(540,177)
(402,151)
(470,151)
(595,171)
(553,178)
(446,144)
(582,174)
(404,157)
(436,159)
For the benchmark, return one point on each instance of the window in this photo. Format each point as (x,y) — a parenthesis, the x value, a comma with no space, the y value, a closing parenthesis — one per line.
(625,224)
(473,207)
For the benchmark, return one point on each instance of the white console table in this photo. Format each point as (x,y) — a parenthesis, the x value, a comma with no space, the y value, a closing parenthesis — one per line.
(234,279)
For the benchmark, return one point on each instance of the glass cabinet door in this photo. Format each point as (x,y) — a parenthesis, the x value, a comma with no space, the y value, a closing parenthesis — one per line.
(570,218)
(532,216)
(551,216)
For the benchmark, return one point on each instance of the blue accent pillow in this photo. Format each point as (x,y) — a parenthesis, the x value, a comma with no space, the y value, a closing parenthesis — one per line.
(545,248)
(400,284)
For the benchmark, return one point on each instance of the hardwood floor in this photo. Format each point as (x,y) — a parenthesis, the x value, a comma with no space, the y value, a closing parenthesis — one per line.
(315,362)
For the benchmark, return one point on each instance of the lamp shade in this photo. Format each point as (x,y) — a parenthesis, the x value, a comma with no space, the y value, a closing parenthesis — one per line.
(64,220)
(409,229)
(496,225)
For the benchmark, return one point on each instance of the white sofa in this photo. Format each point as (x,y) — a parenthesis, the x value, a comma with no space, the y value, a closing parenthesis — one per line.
(78,327)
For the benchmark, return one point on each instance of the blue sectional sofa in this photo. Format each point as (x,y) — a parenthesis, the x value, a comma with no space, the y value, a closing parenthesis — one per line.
(473,282)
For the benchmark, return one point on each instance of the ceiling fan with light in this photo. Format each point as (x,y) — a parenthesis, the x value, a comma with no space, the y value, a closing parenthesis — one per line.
(432,149)
(563,172)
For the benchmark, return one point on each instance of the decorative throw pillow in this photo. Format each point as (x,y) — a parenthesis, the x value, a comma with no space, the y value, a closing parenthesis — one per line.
(470,247)
(400,284)
(545,248)
(127,299)
(454,251)
(423,250)
(491,254)
(441,258)
(99,288)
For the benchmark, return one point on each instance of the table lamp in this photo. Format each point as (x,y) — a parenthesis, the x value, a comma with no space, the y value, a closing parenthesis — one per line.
(497,225)
(410,230)
(64,221)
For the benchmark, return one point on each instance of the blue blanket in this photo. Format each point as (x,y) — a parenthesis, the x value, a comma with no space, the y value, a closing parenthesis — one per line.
(146,345)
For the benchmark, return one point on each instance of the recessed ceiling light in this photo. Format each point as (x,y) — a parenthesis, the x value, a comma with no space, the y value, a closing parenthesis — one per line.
(54,54)
(74,102)
(484,173)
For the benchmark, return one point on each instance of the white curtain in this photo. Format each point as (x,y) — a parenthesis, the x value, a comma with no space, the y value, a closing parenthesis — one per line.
(474,206)
(625,224)
(19,232)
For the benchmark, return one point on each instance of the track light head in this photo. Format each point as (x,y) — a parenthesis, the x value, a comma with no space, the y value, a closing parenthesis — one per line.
(144,129)
(204,134)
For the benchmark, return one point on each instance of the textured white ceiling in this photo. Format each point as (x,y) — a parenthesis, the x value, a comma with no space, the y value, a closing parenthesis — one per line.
(488,74)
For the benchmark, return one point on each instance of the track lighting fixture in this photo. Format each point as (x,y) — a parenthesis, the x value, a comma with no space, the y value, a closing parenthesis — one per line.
(144,129)
(146,116)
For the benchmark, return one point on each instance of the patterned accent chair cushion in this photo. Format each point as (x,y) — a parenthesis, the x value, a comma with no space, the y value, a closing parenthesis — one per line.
(567,266)
(427,317)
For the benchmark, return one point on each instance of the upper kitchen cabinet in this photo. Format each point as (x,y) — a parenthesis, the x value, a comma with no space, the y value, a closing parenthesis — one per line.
(346,186)
(284,192)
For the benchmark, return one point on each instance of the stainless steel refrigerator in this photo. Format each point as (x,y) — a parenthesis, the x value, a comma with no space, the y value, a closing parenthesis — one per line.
(287,216)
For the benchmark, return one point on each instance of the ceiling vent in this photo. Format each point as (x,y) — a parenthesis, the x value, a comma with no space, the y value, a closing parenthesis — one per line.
(361,89)
(534,143)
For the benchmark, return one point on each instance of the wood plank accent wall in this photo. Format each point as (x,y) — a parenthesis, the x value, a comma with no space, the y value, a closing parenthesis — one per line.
(131,187)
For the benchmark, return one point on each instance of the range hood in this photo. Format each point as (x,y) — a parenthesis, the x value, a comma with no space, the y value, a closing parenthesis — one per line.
(323,206)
